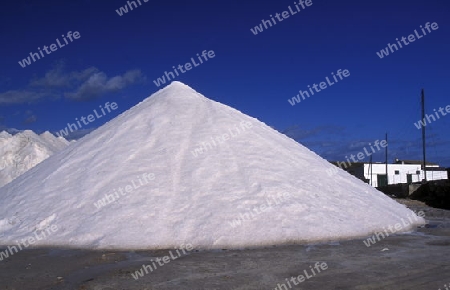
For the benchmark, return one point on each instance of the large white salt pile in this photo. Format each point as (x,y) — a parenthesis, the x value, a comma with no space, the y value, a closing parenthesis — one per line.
(24,150)
(173,177)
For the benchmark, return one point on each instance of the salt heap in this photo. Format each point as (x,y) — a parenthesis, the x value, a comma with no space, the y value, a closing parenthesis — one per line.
(25,150)
(164,173)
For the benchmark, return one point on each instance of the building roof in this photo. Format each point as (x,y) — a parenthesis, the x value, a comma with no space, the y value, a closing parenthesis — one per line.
(418,162)
(436,169)
(397,161)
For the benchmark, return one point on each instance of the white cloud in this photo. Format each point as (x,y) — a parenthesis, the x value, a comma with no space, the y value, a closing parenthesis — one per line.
(21,96)
(81,85)
(99,84)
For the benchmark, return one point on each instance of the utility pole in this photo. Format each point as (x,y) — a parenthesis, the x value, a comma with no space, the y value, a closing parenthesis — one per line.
(387,176)
(423,137)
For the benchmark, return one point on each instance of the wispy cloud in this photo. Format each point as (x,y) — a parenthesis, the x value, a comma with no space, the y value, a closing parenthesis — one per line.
(13,97)
(84,85)
(53,78)
(335,143)
(99,84)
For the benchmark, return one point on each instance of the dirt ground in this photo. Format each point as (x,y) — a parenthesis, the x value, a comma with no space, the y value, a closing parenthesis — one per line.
(418,260)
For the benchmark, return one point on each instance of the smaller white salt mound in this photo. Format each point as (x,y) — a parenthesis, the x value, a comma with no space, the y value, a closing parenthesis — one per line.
(24,150)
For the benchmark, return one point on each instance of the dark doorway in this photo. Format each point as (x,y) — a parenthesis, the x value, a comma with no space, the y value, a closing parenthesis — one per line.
(409,178)
(382,180)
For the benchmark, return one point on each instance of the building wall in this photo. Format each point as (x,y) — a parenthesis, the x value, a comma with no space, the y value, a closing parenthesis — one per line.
(403,170)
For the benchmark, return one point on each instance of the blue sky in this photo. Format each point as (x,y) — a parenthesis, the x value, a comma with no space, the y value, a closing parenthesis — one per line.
(116,58)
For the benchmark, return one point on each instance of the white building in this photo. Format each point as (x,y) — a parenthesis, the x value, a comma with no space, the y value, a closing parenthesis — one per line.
(402,171)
